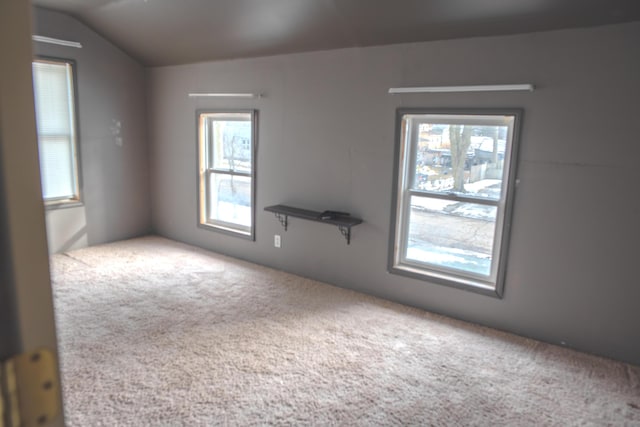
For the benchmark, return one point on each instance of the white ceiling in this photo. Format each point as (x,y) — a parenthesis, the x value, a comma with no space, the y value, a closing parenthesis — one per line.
(168,32)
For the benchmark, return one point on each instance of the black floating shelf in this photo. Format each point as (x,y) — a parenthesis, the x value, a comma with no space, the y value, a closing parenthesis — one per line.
(342,220)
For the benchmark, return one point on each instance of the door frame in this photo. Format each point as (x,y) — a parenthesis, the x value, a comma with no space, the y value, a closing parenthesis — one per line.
(27,320)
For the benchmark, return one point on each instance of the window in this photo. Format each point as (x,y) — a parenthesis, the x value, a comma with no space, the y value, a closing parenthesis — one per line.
(53,86)
(226,152)
(454,175)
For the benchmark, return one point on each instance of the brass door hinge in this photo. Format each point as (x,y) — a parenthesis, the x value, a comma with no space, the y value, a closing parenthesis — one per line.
(29,389)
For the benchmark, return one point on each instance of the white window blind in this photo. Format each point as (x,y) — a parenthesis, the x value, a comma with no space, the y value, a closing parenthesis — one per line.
(54,102)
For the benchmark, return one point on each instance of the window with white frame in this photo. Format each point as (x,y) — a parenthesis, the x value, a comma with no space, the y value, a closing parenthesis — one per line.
(53,87)
(226,157)
(453,192)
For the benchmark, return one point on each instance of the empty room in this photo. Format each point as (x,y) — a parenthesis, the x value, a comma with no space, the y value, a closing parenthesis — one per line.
(319,212)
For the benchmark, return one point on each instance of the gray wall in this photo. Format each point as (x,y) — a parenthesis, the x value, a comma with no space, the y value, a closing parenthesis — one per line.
(111,88)
(326,142)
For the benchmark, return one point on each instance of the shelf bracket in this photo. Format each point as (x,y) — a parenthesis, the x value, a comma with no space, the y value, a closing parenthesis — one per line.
(283,219)
(346,232)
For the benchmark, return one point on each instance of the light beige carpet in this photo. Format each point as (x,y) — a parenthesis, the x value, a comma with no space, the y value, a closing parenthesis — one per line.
(158,333)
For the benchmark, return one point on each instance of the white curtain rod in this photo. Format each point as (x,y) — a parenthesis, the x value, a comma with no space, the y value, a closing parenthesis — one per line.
(60,42)
(224,95)
(476,88)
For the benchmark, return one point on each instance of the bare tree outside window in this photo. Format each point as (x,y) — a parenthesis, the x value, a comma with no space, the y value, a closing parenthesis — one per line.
(460,140)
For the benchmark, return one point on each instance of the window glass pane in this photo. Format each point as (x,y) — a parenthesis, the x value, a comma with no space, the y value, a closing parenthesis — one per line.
(56,167)
(451,235)
(230,199)
(231,148)
(466,159)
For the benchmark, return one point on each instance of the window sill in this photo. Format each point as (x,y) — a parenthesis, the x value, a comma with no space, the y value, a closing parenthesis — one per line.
(63,204)
(248,235)
(461,283)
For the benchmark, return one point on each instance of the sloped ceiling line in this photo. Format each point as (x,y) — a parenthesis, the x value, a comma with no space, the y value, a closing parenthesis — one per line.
(169,32)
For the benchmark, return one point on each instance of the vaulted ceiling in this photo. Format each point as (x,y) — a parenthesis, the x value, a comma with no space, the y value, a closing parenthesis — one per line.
(168,32)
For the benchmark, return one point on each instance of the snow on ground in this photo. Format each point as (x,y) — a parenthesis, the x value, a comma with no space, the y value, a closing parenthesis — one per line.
(459,259)
(466,210)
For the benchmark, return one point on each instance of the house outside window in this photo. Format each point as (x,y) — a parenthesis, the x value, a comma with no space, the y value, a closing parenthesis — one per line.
(54,96)
(226,181)
(453,196)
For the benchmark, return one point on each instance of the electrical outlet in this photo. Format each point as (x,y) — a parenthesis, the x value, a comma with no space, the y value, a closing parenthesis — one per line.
(276,241)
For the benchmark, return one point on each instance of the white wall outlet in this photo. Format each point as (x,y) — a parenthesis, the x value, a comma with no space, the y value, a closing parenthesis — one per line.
(276,241)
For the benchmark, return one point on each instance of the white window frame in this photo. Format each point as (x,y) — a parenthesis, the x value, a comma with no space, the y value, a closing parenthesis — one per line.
(404,170)
(206,168)
(74,199)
